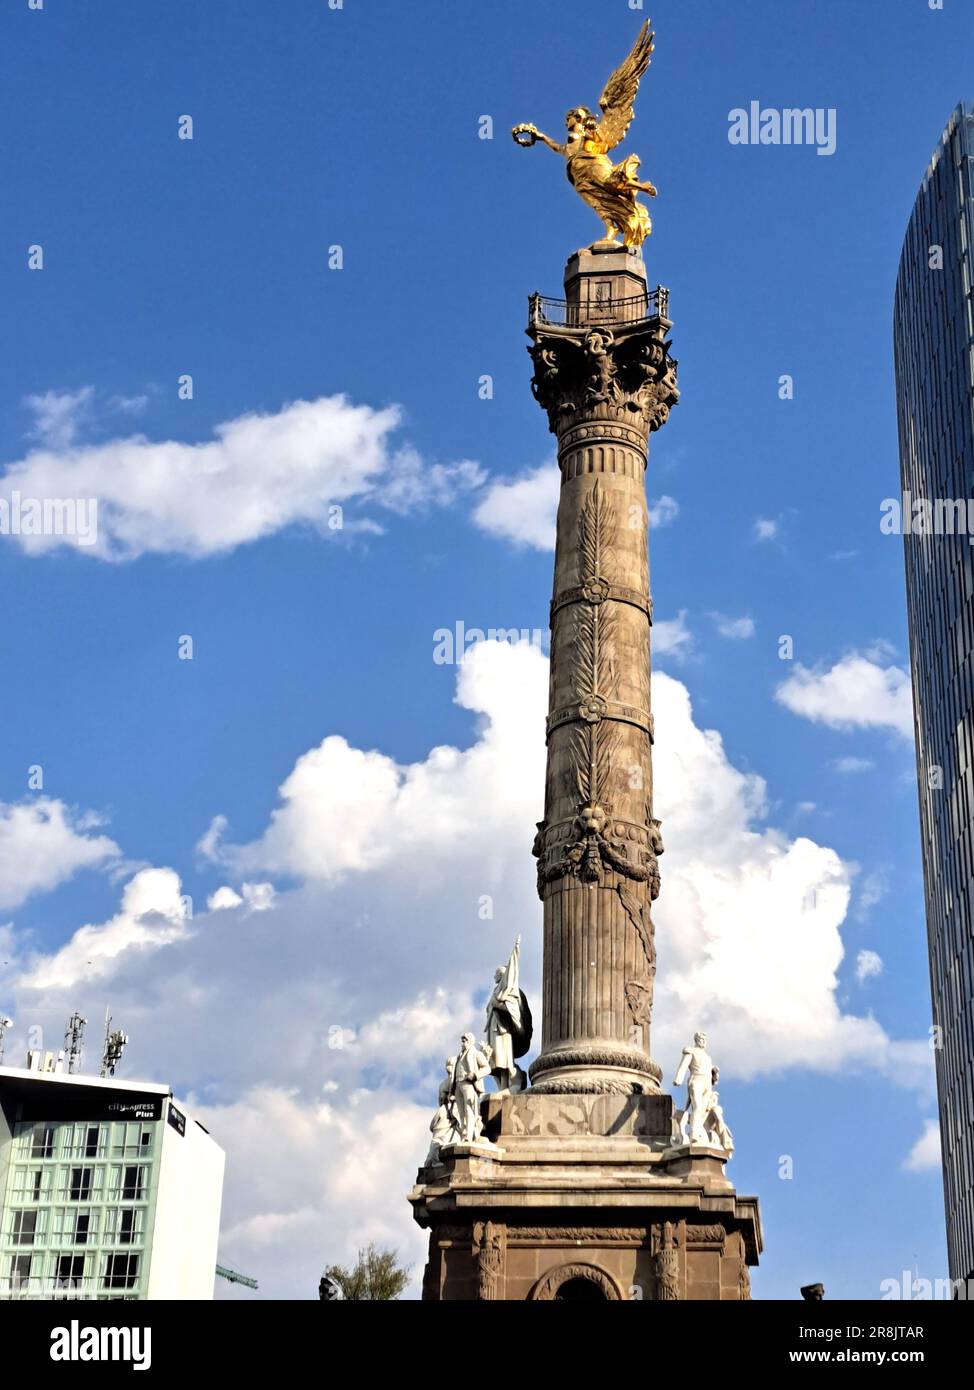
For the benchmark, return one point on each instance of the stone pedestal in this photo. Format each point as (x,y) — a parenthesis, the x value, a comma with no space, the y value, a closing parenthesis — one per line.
(583,1197)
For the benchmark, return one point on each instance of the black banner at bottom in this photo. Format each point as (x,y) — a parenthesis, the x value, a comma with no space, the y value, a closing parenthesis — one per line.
(228,1338)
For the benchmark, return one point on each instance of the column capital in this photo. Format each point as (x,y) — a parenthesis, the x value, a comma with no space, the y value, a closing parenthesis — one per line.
(604,375)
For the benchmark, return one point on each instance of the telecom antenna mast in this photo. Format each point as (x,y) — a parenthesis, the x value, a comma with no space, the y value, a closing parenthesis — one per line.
(115,1044)
(73,1040)
(5,1023)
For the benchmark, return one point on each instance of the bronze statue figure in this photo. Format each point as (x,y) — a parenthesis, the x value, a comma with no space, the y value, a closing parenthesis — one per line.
(609,189)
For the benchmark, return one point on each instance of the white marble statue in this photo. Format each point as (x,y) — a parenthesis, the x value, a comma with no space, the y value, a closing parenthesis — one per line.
(702,1119)
(443,1126)
(508,1024)
(469,1071)
(717,1129)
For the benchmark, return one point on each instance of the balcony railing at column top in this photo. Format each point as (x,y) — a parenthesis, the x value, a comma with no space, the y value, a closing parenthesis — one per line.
(562,313)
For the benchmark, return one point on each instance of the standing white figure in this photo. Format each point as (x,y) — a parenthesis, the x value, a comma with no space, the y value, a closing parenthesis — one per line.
(717,1129)
(443,1126)
(509,1025)
(706,1119)
(469,1071)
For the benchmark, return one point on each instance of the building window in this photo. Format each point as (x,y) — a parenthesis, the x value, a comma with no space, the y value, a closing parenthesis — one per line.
(130,1221)
(42,1142)
(24,1228)
(82,1226)
(83,1141)
(80,1189)
(121,1271)
(133,1185)
(124,1225)
(27,1185)
(130,1140)
(20,1267)
(69,1272)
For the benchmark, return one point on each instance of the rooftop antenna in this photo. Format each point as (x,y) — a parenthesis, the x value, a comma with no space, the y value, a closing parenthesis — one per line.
(73,1039)
(5,1023)
(115,1044)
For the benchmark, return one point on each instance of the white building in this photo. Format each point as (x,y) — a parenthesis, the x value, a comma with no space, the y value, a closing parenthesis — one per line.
(109,1189)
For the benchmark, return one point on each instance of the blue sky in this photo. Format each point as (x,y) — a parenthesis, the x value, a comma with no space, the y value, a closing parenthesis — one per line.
(358,127)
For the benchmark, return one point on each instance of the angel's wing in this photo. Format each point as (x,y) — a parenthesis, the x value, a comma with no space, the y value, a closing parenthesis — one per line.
(620,90)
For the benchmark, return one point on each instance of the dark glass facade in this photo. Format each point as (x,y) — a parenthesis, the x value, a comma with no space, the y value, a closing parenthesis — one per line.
(933,332)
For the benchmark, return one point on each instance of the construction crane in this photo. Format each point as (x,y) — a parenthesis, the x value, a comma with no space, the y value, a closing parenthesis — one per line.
(234,1277)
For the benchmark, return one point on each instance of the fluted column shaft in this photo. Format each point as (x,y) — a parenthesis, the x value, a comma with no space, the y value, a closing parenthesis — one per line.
(606,380)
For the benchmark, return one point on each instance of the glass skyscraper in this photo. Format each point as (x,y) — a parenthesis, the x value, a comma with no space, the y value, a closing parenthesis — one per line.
(933,332)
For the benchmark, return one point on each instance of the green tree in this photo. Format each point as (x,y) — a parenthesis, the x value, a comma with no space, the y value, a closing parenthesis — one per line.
(376,1274)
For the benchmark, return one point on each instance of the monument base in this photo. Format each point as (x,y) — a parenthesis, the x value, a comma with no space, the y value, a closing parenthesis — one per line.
(584,1197)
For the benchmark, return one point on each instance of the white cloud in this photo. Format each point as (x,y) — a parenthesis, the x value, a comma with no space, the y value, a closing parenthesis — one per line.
(524,509)
(851,765)
(152,914)
(751,920)
(925,1154)
(259,474)
(255,897)
(59,415)
(259,897)
(308,1185)
(765,529)
(734,628)
(672,637)
(872,890)
(868,966)
(748,920)
(43,843)
(464,796)
(209,842)
(129,405)
(663,511)
(856,693)
(326,1017)
(223,899)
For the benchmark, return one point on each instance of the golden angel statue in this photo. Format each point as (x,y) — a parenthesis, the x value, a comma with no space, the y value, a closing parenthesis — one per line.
(610,189)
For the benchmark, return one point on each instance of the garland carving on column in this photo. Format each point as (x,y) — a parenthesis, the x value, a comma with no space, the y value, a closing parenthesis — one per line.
(490,1244)
(668,1263)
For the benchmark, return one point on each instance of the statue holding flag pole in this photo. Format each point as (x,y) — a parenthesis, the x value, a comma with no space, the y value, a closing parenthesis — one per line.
(509,1027)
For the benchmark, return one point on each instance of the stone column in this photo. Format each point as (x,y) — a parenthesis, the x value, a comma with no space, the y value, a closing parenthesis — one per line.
(605,377)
